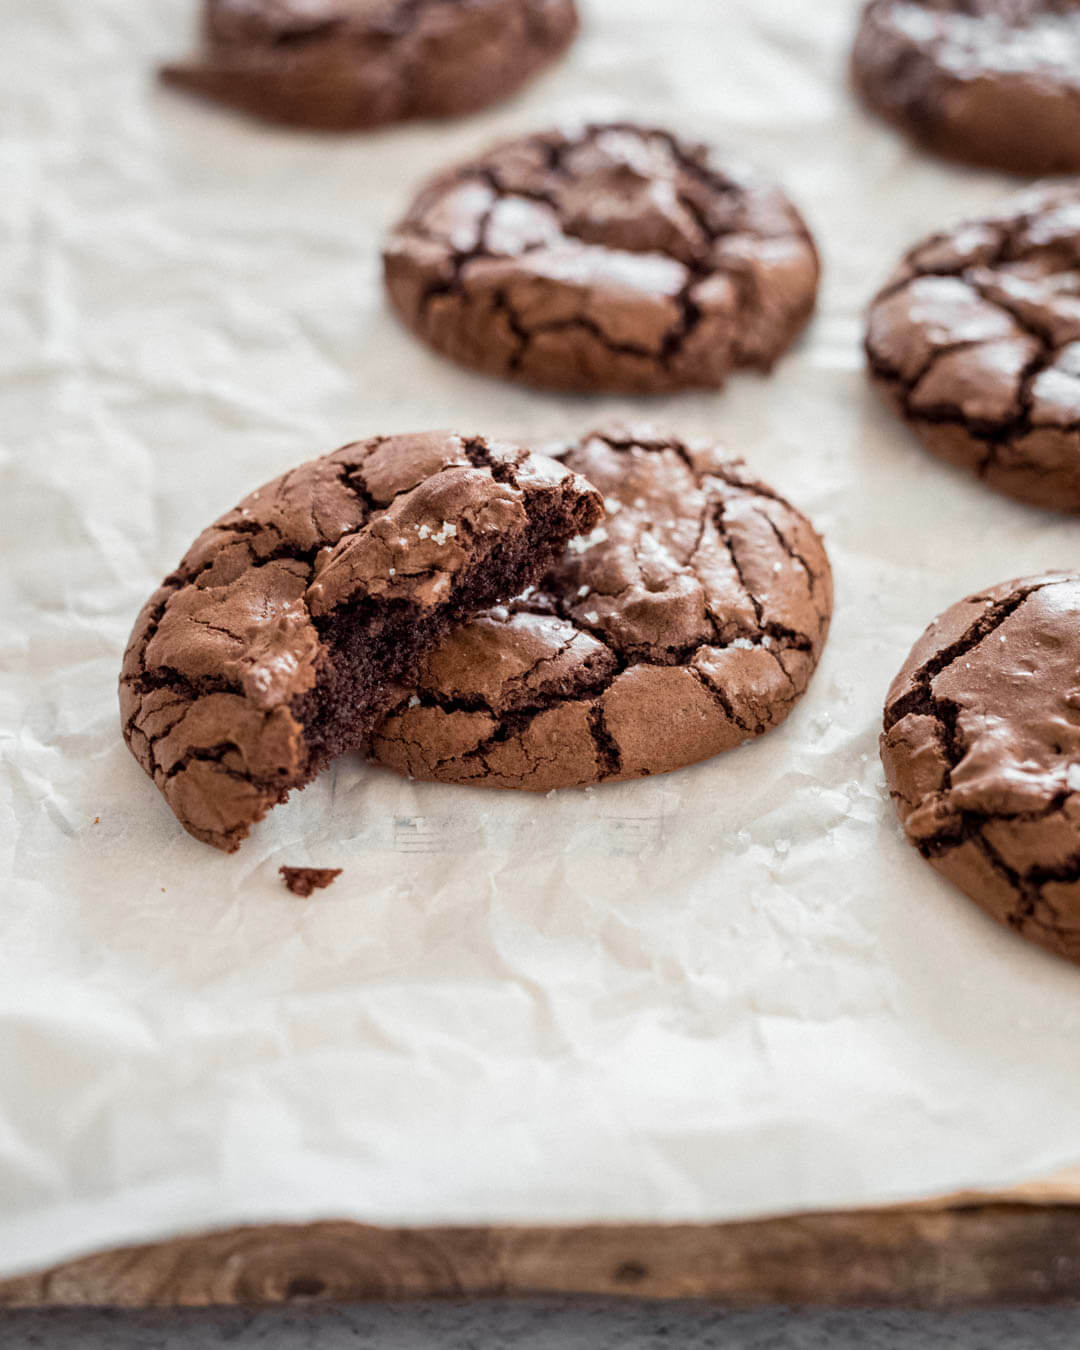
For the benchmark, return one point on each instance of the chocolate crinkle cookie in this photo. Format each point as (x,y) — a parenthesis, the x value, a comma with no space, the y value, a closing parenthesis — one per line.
(277,642)
(613,257)
(993,82)
(347,64)
(981,749)
(976,341)
(689,621)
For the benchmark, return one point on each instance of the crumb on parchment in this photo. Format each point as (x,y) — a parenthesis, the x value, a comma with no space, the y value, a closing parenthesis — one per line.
(303,881)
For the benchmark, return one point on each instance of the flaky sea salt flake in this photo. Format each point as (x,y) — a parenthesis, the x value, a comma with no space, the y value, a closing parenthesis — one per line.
(584,542)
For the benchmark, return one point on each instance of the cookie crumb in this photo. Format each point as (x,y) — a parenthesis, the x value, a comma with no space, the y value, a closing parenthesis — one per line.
(97,820)
(303,881)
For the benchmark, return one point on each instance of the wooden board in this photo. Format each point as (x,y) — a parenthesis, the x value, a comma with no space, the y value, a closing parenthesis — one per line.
(964,1254)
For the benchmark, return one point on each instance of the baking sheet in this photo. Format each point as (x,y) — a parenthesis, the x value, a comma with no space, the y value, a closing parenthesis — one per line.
(728,992)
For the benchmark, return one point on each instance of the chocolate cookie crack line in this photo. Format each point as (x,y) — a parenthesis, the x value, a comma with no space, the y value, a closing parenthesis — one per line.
(513,721)
(725,534)
(985,291)
(608,753)
(793,554)
(788,638)
(720,697)
(584,323)
(459,703)
(211,754)
(920,700)
(168,677)
(631,442)
(1008,230)
(1025,394)
(526,333)
(884,370)
(316,31)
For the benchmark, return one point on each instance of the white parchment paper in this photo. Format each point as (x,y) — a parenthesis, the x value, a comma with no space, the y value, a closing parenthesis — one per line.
(722,993)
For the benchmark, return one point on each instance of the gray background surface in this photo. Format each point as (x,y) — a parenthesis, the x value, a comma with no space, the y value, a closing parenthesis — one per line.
(539,1325)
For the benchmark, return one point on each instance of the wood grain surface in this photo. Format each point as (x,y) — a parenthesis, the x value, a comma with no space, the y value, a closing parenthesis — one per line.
(978,1254)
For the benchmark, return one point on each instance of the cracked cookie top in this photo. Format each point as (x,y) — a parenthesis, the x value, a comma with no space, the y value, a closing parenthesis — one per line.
(976,339)
(687,622)
(345,64)
(611,257)
(994,82)
(981,749)
(276,643)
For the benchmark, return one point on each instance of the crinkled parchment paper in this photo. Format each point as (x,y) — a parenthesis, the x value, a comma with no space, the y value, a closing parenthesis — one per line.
(722,993)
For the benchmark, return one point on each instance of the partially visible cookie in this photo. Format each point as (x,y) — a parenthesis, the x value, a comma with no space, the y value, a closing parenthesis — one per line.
(338,65)
(612,257)
(277,642)
(975,340)
(993,82)
(981,749)
(688,622)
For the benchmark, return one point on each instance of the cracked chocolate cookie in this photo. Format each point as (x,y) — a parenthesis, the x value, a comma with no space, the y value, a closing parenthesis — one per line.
(613,257)
(339,65)
(276,643)
(689,621)
(981,749)
(992,82)
(976,341)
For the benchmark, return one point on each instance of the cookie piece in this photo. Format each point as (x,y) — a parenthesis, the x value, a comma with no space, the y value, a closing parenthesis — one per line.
(688,622)
(305,881)
(976,341)
(992,82)
(340,65)
(276,643)
(614,257)
(981,749)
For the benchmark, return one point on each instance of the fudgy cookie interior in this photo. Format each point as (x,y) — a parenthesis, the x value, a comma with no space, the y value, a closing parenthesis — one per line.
(372,646)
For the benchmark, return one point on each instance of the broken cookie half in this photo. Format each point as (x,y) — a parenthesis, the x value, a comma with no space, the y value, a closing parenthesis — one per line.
(285,631)
(689,621)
